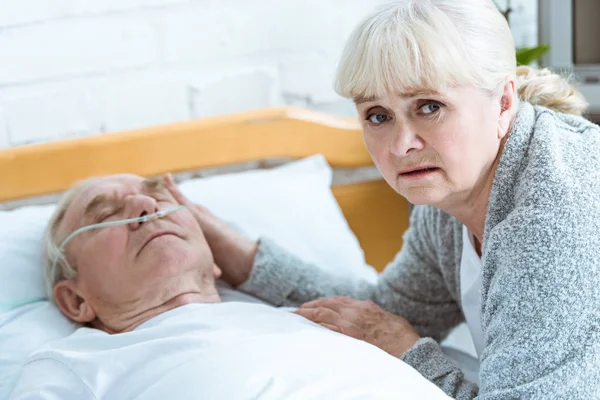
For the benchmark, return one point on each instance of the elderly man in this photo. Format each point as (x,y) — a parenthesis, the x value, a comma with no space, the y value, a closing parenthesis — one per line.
(154,326)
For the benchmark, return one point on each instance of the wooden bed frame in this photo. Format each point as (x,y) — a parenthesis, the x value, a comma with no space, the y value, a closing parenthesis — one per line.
(377,215)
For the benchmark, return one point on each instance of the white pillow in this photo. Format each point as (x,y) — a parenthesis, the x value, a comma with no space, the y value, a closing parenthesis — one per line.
(291,204)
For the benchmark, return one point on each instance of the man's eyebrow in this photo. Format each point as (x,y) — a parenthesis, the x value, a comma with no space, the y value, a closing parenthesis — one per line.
(97,201)
(153,184)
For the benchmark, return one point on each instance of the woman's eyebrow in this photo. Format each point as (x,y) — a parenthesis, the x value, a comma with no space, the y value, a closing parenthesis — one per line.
(405,95)
(418,92)
(360,99)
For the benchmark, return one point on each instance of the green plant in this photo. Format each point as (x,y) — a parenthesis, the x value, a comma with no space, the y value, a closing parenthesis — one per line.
(527,55)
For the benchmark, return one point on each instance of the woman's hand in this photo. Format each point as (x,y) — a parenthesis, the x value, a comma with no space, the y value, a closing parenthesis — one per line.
(233,252)
(362,320)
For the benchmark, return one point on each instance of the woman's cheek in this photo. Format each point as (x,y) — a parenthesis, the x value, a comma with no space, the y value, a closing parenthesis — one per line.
(378,148)
(374,143)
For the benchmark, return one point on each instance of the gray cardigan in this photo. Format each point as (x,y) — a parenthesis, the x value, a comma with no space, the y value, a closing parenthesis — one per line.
(540,290)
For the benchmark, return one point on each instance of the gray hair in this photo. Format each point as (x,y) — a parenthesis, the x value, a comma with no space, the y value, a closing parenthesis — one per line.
(53,237)
(435,44)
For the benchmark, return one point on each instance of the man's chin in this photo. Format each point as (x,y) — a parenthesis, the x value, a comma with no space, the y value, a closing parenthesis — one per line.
(192,297)
(167,260)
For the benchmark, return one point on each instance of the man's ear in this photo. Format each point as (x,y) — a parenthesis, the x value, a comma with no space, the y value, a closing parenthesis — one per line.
(507,103)
(71,303)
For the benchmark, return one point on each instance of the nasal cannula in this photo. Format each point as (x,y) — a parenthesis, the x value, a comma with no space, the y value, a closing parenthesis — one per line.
(144,218)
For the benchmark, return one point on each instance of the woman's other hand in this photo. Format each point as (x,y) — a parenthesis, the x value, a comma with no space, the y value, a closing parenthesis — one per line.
(362,320)
(233,252)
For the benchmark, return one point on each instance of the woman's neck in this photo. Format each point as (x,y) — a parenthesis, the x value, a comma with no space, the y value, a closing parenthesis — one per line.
(471,210)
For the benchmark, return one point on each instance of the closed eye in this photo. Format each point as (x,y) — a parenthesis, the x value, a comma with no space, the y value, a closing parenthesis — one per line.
(103,216)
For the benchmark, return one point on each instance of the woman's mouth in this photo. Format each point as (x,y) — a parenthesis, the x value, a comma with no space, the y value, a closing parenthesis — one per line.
(417,173)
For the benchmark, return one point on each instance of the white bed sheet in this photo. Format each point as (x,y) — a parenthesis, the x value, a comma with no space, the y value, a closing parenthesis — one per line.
(220,351)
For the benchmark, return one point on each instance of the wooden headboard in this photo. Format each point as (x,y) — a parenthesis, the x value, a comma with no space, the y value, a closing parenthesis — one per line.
(376,214)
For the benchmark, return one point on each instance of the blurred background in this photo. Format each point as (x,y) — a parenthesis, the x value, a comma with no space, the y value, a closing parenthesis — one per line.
(82,67)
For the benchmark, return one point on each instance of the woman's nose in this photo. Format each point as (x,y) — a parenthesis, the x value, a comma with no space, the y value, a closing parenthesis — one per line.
(404,140)
(140,205)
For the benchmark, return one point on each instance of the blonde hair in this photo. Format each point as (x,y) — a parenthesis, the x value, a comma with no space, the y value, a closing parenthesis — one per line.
(545,88)
(434,44)
(53,238)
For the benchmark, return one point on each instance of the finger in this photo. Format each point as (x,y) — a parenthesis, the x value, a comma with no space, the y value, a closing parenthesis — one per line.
(168,180)
(312,304)
(335,303)
(172,187)
(345,300)
(331,327)
(319,315)
(322,302)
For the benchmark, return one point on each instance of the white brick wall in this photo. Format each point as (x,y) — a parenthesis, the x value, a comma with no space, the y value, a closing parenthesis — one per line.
(81,67)
(66,112)
(141,99)
(252,89)
(76,47)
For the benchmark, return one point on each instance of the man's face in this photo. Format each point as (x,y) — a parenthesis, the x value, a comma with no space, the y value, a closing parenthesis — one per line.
(125,270)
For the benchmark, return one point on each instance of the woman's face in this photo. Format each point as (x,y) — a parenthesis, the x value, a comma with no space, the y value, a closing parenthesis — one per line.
(434,148)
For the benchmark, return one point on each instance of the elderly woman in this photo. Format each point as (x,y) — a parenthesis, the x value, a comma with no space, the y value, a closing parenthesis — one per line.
(505,234)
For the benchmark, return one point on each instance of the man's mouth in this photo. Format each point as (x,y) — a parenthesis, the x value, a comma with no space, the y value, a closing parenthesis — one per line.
(154,236)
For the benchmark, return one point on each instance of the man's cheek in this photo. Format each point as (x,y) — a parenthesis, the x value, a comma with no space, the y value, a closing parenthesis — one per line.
(111,248)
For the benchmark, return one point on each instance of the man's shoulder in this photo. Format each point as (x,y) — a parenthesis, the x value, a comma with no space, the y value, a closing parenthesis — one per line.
(54,350)
(50,375)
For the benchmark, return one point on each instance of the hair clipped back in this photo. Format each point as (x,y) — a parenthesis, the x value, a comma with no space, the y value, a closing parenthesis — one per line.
(545,88)
(413,45)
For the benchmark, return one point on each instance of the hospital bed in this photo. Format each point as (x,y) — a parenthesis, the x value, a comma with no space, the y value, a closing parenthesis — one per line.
(33,175)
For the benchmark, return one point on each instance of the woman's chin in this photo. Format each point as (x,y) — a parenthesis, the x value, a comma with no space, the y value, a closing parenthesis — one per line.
(423,196)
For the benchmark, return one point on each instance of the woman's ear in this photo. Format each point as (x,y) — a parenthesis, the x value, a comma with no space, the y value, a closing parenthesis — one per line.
(71,303)
(507,103)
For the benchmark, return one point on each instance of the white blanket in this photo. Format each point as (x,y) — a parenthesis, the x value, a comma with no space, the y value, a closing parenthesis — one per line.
(219,351)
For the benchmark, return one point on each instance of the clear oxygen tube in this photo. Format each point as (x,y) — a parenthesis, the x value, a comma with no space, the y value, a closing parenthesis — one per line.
(145,218)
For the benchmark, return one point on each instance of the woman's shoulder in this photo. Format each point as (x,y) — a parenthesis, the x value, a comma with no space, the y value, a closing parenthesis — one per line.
(563,123)
(556,136)
(562,166)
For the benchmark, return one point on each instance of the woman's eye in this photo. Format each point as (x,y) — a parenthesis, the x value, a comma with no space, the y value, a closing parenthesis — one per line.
(377,119)
(430,108)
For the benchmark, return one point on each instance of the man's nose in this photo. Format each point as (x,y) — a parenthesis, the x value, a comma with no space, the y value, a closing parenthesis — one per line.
(140,205)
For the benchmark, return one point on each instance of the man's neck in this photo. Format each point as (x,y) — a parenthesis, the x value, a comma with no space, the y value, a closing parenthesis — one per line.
(180,300)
